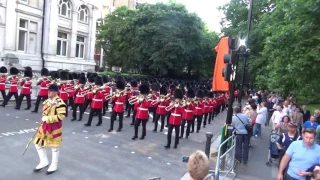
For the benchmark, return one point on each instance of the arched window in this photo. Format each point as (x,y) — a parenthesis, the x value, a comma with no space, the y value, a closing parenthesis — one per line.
(65,8)
(83,14)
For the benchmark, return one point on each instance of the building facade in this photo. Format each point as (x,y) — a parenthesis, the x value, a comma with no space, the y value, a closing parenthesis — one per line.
(56,34)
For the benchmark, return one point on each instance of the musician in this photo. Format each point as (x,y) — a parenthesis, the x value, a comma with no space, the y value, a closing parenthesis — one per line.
(119,98)
(49,134)
(217,99)
(211,107)
(79,99)
(142,108)
(155,95)
(43,83)
(3,79)
(161,103)
(175,118)
(127,90)
(198,112)
(206,107)
(70,89)
(63,90)
(171,99)
(26,85)
(97,101)
(132,95)
(107,94)
(13,90)
(187,115)
(89,94)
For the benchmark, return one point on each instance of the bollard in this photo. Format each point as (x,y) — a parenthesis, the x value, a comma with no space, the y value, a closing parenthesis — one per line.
(209,136)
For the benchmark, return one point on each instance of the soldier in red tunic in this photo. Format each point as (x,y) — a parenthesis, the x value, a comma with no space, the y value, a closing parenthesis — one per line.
(70,89)
(206,107)
(175,118)
(161,103)
(198,110)
(97,101)
(155,95)
(171,99)
(63,88)
(3,79)
(89,94)
(26,85)
(187,115)
(79,99)
(211,107)
(43,82)
(142,108)
(119,99)
(134,91)
(13,86)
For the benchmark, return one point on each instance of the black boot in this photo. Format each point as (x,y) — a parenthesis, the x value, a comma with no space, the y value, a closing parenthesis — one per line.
(167,147)
(134,137)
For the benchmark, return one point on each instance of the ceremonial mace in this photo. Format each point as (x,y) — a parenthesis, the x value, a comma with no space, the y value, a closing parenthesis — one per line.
(27,146)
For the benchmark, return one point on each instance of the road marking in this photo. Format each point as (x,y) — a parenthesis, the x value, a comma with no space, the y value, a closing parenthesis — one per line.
(17,117)
(27,119)
(73,132)
(8,114)
(168,164)
(116,147)
(149,157)
(37,122)
(86,137)
(100,142)
(133,152)
(85,131)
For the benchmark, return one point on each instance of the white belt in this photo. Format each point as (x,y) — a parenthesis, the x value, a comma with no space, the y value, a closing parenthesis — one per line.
(13,85)
(26,87)
(97,99)
(119,103)
(173,114)
(162,106)
(198,107)
(206,106)
(2,83)
(80,95)
(143,109)
(188,110)
(44,88)
(63,92)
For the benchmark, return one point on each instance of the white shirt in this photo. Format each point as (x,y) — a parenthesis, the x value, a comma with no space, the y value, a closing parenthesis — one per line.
(277,116)
(262,115)
(286,110)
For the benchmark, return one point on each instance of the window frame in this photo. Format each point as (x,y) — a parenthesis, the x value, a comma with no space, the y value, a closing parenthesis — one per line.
(85,10)
(68,10)
(61,44)
(27,31)
(80,43)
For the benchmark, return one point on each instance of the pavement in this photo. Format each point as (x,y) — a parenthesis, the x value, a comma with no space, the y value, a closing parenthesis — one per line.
(92,153)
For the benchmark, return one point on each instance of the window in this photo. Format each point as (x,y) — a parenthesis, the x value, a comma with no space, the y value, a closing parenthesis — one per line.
(80,47)
(83,14)
(62,44)
(27,35)
(34,3)
(65,8)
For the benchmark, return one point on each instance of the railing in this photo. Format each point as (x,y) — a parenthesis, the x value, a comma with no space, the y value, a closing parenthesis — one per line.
(226,161)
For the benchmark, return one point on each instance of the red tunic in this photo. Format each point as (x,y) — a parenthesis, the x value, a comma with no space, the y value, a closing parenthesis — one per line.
(188,112)
(210,105)
(79,99)
(142,110)
(14,84)
(198,108)
(43,87)
(70,90)
(161,109)
(97,101)
(176,116)
(26,87)
(106,93)
(3,83)
(63,94)
(119,103)
(206,106)
(153,98)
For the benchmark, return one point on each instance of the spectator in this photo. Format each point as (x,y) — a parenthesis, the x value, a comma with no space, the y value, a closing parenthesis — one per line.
(252,114)
(282,127)
(314,172)
(302,155)
(277,116)
(286,108)
(198,166)
(239,122)
(317,115)
(306,113)
(270,111)
(261,119)
(297,117)
(318,135)
(311,123)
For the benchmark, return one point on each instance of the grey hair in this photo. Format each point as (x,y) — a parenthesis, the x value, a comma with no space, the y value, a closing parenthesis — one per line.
(236,109)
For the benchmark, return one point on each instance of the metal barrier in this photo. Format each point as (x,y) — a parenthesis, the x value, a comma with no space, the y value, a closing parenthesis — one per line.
(226,162)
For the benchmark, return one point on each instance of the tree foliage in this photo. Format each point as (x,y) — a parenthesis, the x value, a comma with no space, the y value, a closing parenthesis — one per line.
(161,39)
(284,41)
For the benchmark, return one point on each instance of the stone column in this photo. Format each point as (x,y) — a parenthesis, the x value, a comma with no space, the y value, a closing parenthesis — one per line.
(92,35)
(11,34)
(51,28)
(73,40)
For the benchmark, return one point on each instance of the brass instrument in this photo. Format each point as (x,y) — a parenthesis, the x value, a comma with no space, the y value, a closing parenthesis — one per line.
(116,94)
(96,89)
(175,104)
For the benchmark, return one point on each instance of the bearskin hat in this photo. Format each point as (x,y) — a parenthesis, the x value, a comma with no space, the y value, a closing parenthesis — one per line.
(82,80)
(3,70)
(178,94)
(172,87)
(14,71)
(91,79)
(176,83)
(191,93)
(163,90)
(144,88)
(54,75)
(98,81)
(105,79)
(134,83)
(210,95)
(70,76)
(155,87)
(120,85)
(75,76)
(89,74)
(200,93)
(205,93)
(64,75)
(44,72)
(28,68)
(28,73)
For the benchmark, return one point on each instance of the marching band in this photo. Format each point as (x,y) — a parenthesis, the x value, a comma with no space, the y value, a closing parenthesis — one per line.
(176,105)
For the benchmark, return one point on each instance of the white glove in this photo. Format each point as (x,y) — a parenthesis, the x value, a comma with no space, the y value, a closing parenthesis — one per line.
(176,105)
(44,118)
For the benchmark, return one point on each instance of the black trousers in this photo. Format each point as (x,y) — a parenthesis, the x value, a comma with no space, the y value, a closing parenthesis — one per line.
(71,102)
(205,119)
(74,113)
(3,93)
(131,106)
(199,121)
(127,104)
(21,98)
(87,102)
(217,110)
(113,118)
(168,118)
(177,129)
(105,107)
(211,115)
(92,112)
(153,111)
(189,122)
(36,107)
(8,97)
(144,127)
(158,116)
(66,102)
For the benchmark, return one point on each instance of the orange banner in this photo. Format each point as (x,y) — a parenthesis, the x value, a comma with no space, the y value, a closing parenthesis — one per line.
(218,82)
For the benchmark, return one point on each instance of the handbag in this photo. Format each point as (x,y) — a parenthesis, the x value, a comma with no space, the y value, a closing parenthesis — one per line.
(247,126)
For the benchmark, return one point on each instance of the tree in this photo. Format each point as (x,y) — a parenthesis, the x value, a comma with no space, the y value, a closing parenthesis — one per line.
(161,39)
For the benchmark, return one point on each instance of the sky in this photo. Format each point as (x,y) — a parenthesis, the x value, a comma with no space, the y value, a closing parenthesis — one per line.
(206,10)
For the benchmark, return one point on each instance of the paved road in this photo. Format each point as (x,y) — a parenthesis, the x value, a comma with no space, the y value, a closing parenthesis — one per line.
(91,152)
(258,154)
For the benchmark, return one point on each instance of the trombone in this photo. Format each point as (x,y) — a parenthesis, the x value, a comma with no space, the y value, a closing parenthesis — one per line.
(173,105)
